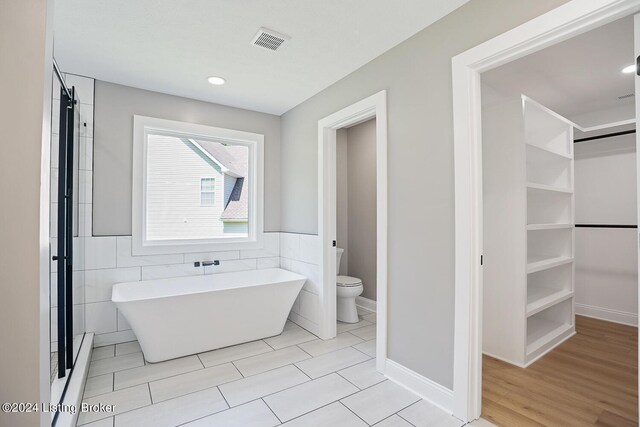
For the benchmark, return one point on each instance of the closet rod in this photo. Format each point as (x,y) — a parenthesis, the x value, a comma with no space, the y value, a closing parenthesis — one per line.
(606,135)
(606,226)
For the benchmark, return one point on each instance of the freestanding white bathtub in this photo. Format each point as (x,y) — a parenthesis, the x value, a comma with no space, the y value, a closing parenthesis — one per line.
(187,315)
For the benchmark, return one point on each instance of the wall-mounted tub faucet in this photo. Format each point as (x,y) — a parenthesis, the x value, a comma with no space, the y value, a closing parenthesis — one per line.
(206,263)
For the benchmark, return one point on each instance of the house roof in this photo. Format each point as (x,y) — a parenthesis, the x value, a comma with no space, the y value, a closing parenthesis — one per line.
(238,205)
(232,157)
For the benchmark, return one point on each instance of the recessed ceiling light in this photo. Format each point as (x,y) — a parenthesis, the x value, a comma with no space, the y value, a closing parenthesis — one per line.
(629,69)
(217,81)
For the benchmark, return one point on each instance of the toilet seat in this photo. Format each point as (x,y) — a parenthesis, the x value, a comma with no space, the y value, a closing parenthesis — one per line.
(348,281)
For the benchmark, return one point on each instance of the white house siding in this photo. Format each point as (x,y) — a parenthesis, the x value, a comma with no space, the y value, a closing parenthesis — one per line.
(174,170)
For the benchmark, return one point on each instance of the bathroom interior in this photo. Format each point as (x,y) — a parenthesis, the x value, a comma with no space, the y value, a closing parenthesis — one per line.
(241,223)
(171,283)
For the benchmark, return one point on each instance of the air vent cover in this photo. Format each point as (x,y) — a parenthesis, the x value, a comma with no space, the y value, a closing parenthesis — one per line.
(269,39)
(629,95)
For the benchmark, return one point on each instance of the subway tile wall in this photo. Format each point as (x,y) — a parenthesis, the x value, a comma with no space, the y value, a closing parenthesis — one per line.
(300,253)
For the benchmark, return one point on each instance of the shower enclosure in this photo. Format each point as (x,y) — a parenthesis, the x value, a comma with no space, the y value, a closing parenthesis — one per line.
(66,248)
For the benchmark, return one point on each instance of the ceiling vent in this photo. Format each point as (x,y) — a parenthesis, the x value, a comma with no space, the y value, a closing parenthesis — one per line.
(629,95)
(269,39)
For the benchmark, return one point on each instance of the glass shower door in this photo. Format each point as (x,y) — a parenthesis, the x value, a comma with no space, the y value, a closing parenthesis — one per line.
(66,284)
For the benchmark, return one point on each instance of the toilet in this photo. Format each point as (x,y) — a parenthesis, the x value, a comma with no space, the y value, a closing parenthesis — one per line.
(347,289)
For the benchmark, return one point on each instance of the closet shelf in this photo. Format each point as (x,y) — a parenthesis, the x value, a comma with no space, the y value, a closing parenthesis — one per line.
(534,227)
(539,298)
(547,150)
(540,264)
(543,187)
(542,331)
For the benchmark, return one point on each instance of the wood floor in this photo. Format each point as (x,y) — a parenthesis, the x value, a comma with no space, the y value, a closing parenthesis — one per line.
(590,380)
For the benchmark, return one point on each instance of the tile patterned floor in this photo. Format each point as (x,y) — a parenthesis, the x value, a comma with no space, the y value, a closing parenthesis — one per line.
(293,379)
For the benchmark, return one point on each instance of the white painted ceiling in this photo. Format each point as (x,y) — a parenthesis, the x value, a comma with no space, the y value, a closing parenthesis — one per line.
(172,46)
(580,78)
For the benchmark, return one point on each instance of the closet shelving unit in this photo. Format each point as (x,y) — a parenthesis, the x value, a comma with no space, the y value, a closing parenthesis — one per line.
(528,231)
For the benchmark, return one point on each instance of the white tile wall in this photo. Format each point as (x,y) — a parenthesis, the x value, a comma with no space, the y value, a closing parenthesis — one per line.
(210,256)
(101,317)
(98,283)
(300,253)
(124,258)
(163,271)
(109,260)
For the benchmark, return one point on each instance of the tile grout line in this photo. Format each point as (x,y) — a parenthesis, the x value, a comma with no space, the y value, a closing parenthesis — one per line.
(306,352)
(347,380)
(269,345)
(349,409)
(200,360)
(223,396)
(303,372)
(150,396)
(272,411)
(402,409)
(234,365)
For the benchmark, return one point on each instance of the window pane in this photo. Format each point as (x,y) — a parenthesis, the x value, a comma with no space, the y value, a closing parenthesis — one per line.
(207,199)
(207,184)
(196,189)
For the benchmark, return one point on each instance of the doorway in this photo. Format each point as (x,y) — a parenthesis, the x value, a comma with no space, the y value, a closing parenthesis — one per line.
(556,26)
(373,107)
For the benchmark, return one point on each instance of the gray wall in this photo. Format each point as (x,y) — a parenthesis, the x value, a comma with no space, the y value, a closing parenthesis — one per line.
(26,45)
(417,77)
(115,106)
(342,200)
(361,161)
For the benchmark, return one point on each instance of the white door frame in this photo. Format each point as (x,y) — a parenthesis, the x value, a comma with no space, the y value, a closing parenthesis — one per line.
(564,22)
(374,106)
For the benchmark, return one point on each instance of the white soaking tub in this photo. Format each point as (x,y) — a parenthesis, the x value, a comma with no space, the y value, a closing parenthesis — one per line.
(187,315)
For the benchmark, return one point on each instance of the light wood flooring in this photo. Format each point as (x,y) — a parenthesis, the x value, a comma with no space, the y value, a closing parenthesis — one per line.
(589,380)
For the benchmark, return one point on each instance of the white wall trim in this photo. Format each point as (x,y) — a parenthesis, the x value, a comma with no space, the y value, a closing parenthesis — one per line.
(607,314)
(429,390)
(366,303)
(562,23)
(373,106)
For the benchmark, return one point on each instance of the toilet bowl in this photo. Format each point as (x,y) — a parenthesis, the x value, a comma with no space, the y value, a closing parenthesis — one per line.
(347,289)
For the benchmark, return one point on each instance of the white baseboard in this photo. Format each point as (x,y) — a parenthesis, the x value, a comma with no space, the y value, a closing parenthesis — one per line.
(366,303)
(304,323)
(607,314)
(429,390)
(75,387)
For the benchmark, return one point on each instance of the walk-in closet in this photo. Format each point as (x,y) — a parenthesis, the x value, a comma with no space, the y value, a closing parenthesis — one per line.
(560,251)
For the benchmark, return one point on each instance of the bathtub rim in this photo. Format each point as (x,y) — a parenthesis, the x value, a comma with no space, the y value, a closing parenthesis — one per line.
(293,277)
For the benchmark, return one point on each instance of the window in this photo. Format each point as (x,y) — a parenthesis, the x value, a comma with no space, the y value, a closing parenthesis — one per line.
(196,188)
(207,191)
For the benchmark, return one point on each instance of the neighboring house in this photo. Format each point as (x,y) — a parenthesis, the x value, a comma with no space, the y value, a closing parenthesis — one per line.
(195,189)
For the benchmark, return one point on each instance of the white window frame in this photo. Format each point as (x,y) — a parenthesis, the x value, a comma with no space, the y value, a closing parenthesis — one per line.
(214,191)
(142,127)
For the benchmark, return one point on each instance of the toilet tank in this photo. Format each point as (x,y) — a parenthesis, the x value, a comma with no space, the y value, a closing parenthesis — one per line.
(339,252)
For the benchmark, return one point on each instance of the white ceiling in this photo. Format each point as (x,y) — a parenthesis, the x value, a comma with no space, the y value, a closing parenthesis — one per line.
(580,78)
(172,46)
